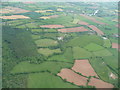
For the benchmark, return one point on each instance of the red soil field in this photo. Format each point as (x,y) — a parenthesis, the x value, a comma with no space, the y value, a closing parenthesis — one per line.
(92,19)
(118,25)
(51,26)
(76,29)
(96,29)
(115,45)
(72,77)
(13,10)
(84,67)
(99,83)
(53,16)
(83,23)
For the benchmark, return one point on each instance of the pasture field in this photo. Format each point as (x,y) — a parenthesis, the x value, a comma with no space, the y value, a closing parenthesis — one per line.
(58,58)
(93,47)
(36,36)
(49,30)
(103,52)
(102,69)
(47,80)
(107,43)
(36,30)
(48,52)
(72,77)
(59,44)
(84,40)
(52,66)
(31,25)
(80,53)
(46,42)
(21,26)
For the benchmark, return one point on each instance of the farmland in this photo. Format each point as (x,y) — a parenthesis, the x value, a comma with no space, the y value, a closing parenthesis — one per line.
(60,45)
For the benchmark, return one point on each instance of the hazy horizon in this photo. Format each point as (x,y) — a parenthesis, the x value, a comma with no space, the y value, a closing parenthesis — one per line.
(60,0)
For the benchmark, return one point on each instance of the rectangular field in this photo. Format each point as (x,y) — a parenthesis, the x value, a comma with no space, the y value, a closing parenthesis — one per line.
(76,29)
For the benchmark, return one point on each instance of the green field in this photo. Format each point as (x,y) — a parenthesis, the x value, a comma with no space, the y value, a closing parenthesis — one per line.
(80,53)
(47,80)
(48,52)
(54,67)
(107,43)
(36,36)
(93,47)
(46,42)
(103,52)
(84,40)
(102,69)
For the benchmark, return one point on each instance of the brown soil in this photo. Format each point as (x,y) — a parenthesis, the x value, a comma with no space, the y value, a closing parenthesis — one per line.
(83,23)
(93,19)
(72,77)
(84,67)
(96,29)
(13,10)
(14,17)
(51,26)
(99,83)
(76,29)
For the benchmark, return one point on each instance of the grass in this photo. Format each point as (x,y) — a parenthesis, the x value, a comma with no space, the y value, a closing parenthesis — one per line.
(67,56)
(36,30)
(53,67)
(48,52)
(102,70)
(84,40)
(107,43)
(46,42)
(101,53)
(80,53)
(47,80)
(93,47)
(32,25)
(36,36)
(58,58)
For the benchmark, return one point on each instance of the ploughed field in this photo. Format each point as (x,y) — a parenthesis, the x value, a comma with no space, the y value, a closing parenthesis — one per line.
(57,49)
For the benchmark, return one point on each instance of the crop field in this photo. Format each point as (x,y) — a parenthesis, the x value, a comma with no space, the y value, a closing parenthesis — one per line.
(107,43)
(13,10)
(48,52)
(14,17)
(80,53)
(60,45)
(47,80)
(76,29)
(51,26)
(72,77)
(84,40)
(103,52)
(93,47)
(99,83)
(80,66)
(26,67)
(96,29)
(46,42)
